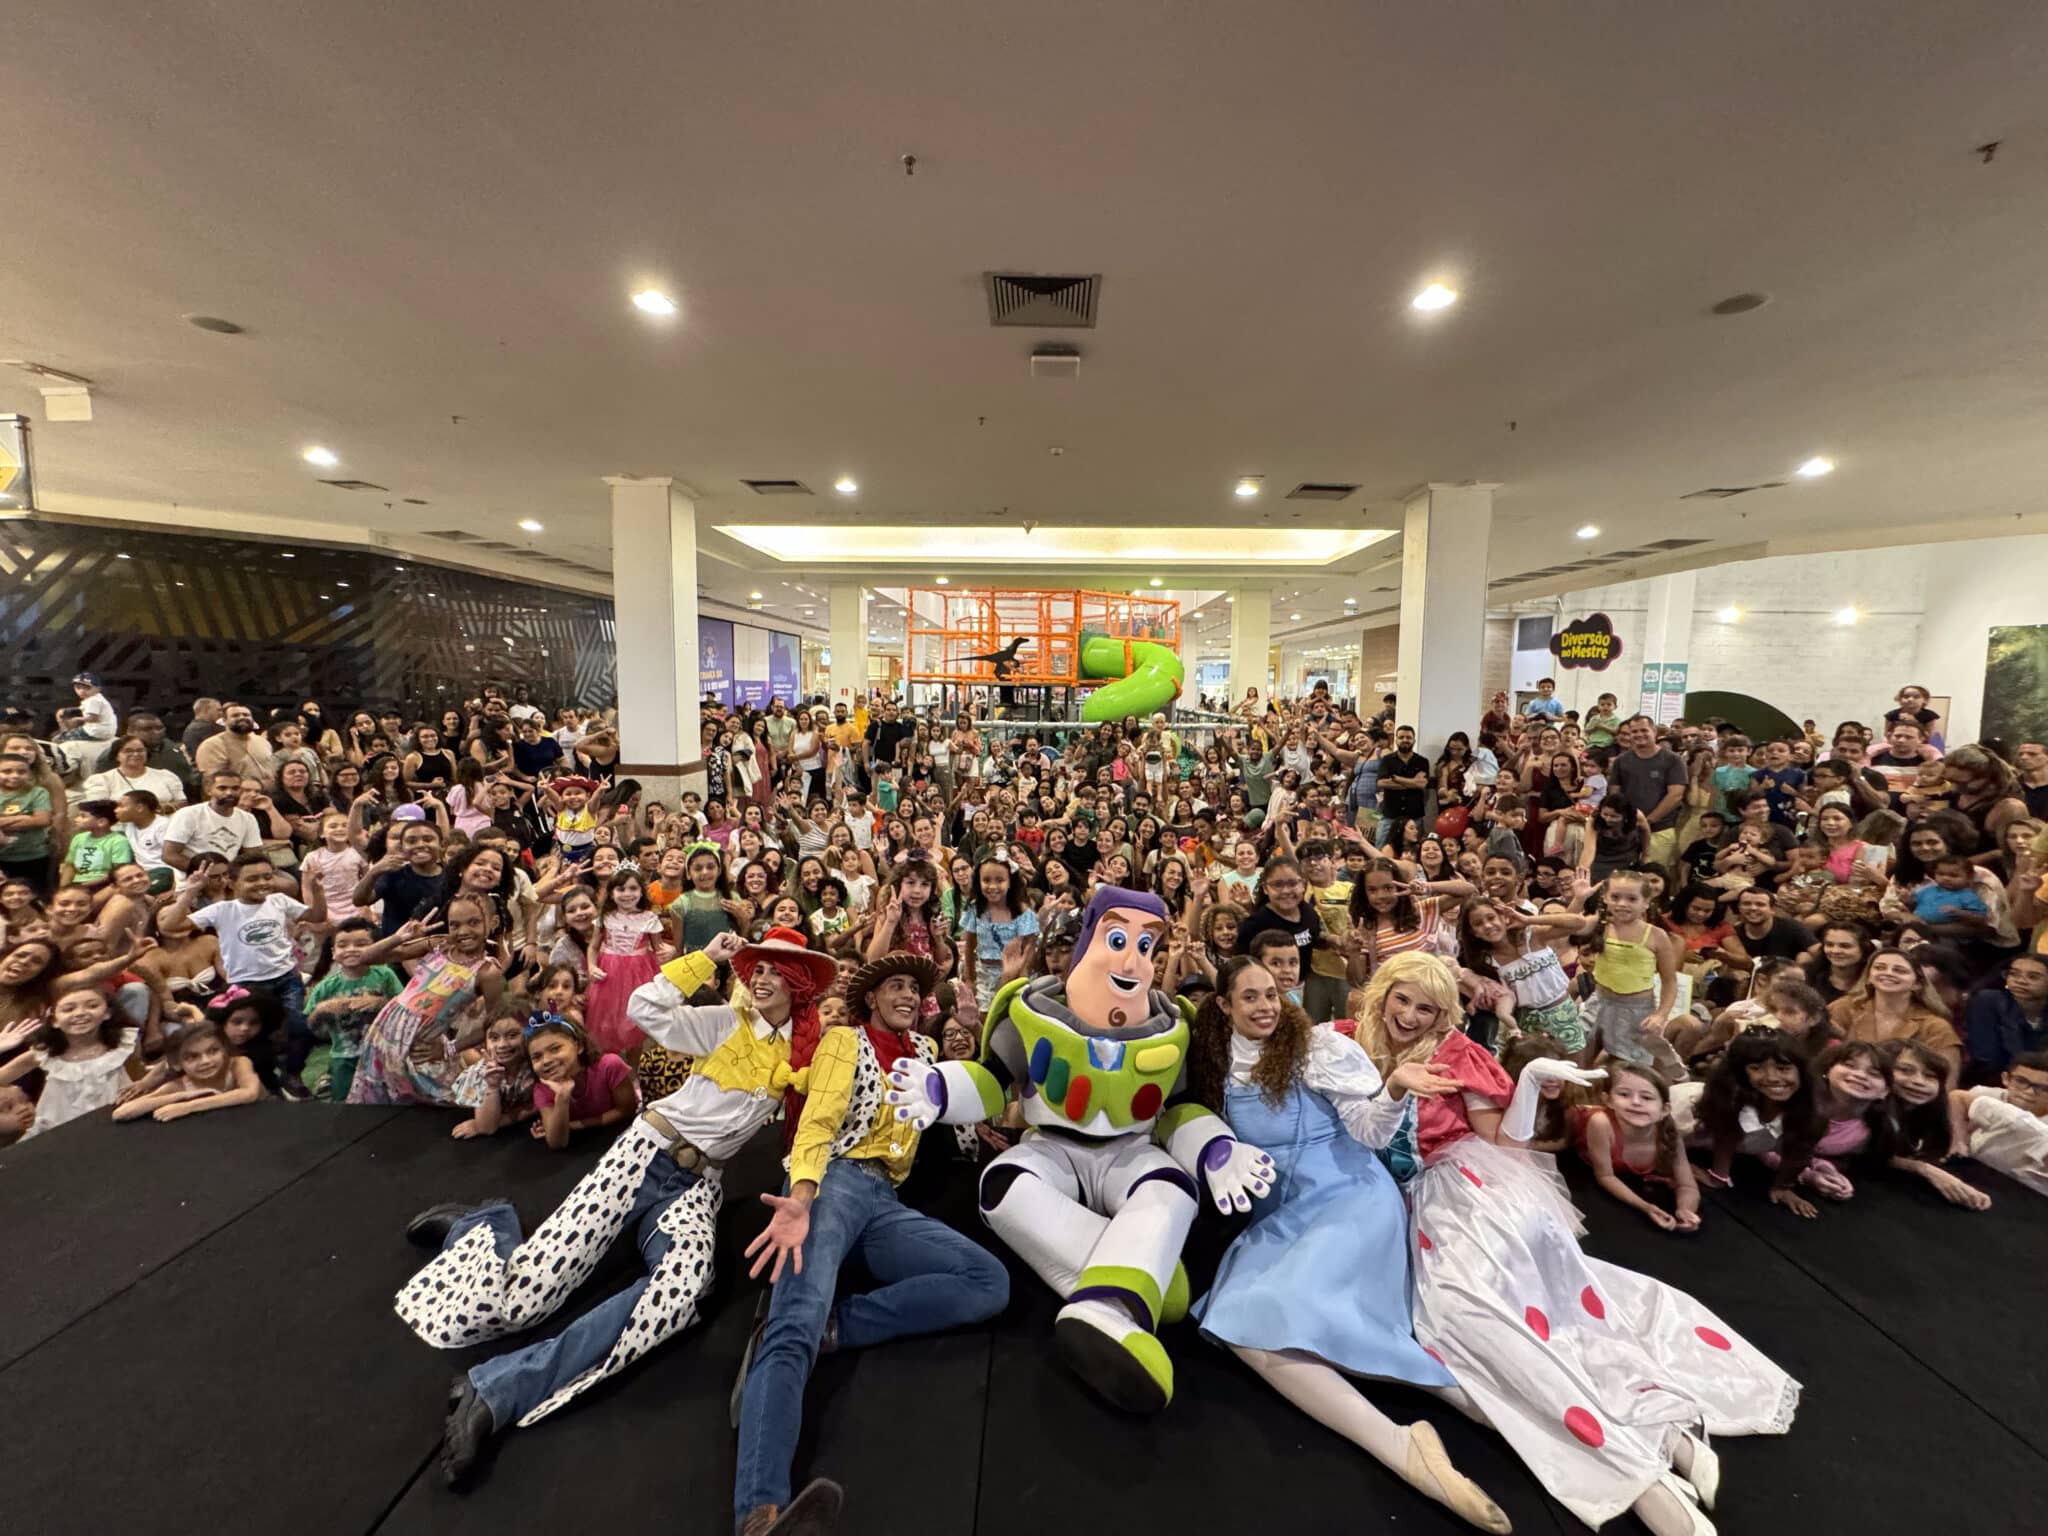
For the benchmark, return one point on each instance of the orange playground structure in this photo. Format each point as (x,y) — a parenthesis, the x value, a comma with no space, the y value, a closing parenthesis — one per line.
(1121,646)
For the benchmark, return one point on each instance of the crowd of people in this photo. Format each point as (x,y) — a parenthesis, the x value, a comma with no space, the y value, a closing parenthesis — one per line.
(1821,957)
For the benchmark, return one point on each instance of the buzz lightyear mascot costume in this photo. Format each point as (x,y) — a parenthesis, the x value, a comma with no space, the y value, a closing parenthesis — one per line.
(1099,1195)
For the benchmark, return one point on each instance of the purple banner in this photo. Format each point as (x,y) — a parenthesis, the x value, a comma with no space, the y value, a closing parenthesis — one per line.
(785,666)
(715,658)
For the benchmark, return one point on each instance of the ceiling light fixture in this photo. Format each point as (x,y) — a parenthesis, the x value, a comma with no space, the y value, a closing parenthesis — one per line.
(1590,531)
(1294,617)
(1846,615)
(528,525)
(753,597)
(324,458)
(942,581)
(1815,467)
(1435,296)
(652,301)
(1229,598)
(1155,582)
(287,555)
(1729,615)
(846,485)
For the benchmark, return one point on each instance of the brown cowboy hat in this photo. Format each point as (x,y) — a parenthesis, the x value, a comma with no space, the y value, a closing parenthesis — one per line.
(786,947)
(898,962)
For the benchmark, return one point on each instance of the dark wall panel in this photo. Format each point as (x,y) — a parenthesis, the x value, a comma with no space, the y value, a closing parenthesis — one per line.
(164,618)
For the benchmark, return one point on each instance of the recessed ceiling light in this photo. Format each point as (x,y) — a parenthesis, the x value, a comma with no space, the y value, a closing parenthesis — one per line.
(124,557)
(1590,531)
(1294,616)
(325,458)
(1228,598)
(1435,296)
(1155,582)
(287,555)
(1248,487)
(1729,615)
(1815,467)
(529,525)
(432,594)
(1350,602)
(846,485)
(942,581)
(341,583)
(753,597)
(652,301)
(1846,615)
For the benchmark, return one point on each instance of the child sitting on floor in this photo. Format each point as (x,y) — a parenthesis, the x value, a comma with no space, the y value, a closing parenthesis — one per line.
(496,1080)
(2007,1127)
(207,1076)
(86,1057)
(576,1088)
(1631,1130)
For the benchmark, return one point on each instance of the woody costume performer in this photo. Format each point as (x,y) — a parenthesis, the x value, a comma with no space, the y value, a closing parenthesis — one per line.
(662,1175)
(848,1155)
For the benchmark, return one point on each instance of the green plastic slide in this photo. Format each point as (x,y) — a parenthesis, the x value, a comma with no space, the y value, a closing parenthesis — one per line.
(1154,680)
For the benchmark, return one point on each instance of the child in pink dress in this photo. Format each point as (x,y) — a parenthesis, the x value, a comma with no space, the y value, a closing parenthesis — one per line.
(626,952)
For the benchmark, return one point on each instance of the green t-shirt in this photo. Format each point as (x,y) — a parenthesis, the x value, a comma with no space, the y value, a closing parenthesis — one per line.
(93,859)
(33,842)
(368,992)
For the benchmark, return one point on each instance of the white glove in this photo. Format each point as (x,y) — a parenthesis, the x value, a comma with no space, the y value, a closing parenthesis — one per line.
(1519,1123)
(1239,1173)
(917,1091)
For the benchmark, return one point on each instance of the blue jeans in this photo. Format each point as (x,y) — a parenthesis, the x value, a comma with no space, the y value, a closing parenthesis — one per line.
(517,1383)
(932,1278)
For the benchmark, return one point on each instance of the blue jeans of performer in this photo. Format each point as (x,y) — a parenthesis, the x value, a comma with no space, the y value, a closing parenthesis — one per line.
(517,1383)
(931,1278)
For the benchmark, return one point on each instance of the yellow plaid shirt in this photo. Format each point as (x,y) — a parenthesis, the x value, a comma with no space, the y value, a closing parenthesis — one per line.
(892,1141)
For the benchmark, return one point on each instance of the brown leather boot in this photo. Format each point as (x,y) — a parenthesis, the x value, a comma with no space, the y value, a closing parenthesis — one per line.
(813,1512)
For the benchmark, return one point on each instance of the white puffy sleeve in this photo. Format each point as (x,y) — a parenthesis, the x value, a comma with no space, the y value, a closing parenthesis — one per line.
(1341,1072)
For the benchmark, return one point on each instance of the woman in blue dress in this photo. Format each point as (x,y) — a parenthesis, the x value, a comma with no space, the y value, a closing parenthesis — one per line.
(1315,1292)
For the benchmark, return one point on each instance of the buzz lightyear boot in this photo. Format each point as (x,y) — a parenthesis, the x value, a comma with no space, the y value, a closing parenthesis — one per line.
(1115,1355)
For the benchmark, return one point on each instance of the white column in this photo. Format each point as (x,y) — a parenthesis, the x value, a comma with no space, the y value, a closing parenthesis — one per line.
(1251,643)
(1444,539)
(849,675)
(654,593)
(1667,640)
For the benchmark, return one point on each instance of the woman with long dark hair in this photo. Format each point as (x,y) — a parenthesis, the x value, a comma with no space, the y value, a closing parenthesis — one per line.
(1314,1294)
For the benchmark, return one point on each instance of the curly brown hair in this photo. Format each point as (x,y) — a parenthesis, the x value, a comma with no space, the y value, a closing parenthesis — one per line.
(1280,1063)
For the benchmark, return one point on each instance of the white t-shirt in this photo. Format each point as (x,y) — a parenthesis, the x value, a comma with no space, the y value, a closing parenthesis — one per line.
(863,828)
(255,940)
(527,712)
(199,830)
(112,784)
(100,719)
(147,843)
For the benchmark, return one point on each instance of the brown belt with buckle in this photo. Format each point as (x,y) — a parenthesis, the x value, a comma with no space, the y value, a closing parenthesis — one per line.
(684,1152)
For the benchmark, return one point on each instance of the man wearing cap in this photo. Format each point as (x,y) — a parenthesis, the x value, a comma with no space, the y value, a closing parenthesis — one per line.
(847,1157)
(662,1177)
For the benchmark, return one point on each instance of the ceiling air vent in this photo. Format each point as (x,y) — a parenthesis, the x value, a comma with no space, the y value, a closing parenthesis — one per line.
(777,487)
(1723,492)
(1673,543)
(454,536)
(1042,303)
(356,485)
(1319,490)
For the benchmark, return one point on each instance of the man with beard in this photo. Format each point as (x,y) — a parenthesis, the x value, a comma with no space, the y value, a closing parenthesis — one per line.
(848,1156)
(213,825)
(239,748)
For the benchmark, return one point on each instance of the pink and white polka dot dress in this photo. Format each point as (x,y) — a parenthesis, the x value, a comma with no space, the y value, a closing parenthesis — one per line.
(1582,1366)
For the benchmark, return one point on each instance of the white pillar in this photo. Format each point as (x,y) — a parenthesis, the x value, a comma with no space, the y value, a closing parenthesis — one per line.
(654,593)
(1251,644)
(1667,642)
(849,675)
(1444,539)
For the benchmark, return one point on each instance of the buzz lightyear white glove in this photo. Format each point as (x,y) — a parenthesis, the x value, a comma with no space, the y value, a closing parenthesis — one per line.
(1238,1174)
(1519,1123)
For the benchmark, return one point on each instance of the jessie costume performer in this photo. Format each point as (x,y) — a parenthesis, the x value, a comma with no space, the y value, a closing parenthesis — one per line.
(662,1176)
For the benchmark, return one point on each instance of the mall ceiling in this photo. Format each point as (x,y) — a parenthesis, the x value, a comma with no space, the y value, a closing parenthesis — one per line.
(429,219)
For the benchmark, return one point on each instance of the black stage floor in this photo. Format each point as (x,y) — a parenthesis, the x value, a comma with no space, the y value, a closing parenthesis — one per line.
(196,1333)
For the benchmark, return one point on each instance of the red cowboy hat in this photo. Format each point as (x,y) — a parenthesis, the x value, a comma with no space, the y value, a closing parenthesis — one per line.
(786,948)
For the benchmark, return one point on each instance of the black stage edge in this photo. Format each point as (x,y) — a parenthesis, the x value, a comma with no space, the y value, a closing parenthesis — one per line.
(196,1332)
